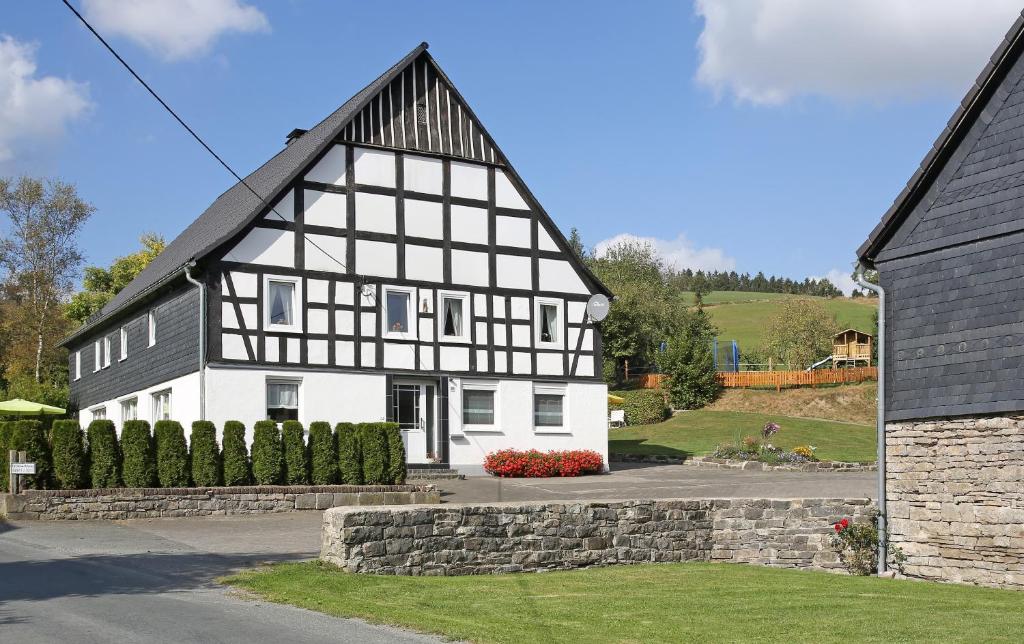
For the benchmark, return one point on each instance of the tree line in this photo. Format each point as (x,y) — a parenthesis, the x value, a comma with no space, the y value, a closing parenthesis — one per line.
(706,281)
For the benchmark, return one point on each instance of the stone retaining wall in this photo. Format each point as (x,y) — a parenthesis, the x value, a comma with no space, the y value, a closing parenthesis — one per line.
(733,464)
(512,537)
(145,503)
(955,498)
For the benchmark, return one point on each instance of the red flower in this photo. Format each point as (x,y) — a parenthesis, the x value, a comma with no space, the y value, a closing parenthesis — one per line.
(838,527)
(845,522)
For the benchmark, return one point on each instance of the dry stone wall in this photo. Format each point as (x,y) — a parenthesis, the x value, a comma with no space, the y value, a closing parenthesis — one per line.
(144,503)
(955,498)
(513,537)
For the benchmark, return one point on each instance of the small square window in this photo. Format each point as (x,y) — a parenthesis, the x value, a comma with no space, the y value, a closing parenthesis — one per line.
(129,409)
(547,409)
(162,405)
(477,407)
(282,400)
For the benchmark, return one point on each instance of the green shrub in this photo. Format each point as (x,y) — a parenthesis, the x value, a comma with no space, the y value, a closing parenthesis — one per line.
(5,444)
(235,455)
(30,437)
(642,406)
(171,454)
(323,454)
(138,454)
(68,445)
(267,456)
(350,454)
(396,453)
(205,456)
(296,460)
(374,443)
(689,364)
(104,454)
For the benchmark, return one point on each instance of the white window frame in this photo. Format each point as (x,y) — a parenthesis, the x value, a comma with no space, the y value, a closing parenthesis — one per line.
(106,351)
(98,356)
(155,408)
(297,312)
(151,324)
(124,402)
(481,385)
(279,380)
(467,319)
(124,344)
(559,305)
(553,389)
(102,409)
(413,314)
(78,365)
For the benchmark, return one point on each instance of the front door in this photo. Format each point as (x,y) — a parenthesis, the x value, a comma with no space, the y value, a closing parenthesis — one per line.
(415,411)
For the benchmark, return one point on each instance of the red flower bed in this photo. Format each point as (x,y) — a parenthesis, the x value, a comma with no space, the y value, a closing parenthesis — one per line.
(513,463)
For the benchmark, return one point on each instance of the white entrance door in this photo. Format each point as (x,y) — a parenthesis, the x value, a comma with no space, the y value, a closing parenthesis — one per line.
(415,411)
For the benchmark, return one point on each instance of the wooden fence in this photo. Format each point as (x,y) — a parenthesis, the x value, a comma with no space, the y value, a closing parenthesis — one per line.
(777,379)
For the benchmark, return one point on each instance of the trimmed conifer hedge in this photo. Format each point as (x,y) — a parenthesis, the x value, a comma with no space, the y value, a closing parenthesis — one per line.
(172,466)
(374,444)
(235,455)
(6,427)
(104,454)
(396,453)
(296,460)
(30,437)
(205,456)
(267,453)
(138,454)
(68,445)
(323,454)
(350,454)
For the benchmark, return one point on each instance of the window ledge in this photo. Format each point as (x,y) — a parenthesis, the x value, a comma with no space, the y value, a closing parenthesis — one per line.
(551,430)
(481,429)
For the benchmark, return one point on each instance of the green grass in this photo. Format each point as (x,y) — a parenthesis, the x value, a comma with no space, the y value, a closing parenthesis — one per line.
(744,316)
(654,603)
(696,433)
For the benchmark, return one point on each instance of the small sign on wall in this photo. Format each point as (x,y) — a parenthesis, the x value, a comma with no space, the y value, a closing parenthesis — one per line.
(23,468)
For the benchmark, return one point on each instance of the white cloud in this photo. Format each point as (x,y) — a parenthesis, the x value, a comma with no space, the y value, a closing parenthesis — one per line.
(33,109)
(679,252)
(842,280)
(174,29)
(769,51)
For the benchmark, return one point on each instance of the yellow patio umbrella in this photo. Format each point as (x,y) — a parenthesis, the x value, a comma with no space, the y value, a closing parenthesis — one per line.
(21,407)
(615,400)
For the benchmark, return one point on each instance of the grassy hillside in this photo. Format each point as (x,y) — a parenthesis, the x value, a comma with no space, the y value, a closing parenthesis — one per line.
(843,403)
(743,316)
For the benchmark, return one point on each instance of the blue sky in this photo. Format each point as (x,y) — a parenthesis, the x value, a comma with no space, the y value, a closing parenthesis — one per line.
(755,136)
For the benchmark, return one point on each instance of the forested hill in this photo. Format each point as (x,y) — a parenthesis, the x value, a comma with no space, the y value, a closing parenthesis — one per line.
(689,280)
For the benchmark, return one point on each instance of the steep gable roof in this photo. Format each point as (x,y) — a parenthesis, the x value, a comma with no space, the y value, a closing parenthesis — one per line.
(973,108)
(358,121)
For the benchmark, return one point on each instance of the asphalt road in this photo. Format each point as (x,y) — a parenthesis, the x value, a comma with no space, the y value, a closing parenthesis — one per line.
(153,581)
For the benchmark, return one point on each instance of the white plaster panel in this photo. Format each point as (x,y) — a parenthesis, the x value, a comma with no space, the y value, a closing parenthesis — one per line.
(481,360)
(426,329)
(549,364)
(514,272)
(454,358)
(325,253)
(232,347)
(469,267)
(424,263)
(500,362)
(520,362)
(481,332)
(316,351)
(520,335)
(424,219)
(271,349)
(505,194)
(331,168)
(576,311)
(368,354)
(316,320)
(375,213)
(399,356)
(184,402)
(423,174)
(325,208)
(294,349)
(344,293)
(244,283)
(368,324)
(374,167)
(512,231)
(265,246)
(585,366)
(316,291)
(344,353)
(284,209)
(480,304)
(500,335)
(544,240)
(520,308)
(344,322)
(376,258)
(497,306)
(469,224)
(426,357)
(249,317)
(469,180)
(228,319)
(588,338)
(559,275)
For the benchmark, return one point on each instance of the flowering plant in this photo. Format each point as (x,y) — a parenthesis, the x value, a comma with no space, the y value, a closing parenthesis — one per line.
(513,463)
(806,451)
(769,429)
(857,546)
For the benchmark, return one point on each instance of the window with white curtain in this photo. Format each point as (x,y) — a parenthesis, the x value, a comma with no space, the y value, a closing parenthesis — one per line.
(282,303)
(162,405)
(99,413)
(282,400)
(454,308)
(548,323)
(129,409)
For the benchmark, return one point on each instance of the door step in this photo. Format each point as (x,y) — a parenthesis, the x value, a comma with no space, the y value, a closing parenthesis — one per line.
(433,474)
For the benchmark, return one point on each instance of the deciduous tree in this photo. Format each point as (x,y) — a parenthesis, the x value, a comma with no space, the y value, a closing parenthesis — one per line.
(100,285)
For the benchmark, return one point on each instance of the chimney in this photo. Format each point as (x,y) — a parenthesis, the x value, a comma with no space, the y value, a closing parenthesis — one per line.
(294,134)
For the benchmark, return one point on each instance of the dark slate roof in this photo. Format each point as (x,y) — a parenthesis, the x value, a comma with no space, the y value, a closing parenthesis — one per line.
(234,209)
(969,110)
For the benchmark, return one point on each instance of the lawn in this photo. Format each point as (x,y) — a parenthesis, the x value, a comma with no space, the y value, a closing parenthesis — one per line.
(696,433)
(653,603)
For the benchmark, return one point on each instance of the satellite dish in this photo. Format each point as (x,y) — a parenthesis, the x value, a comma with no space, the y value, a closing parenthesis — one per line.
(597,307)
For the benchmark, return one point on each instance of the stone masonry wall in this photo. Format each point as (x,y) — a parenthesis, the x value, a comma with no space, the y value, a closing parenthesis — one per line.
(955,498)
(145,503)
(511,537)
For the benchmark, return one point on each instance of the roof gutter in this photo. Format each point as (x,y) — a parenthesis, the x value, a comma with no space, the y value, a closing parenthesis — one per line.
(202,337)
(883,545)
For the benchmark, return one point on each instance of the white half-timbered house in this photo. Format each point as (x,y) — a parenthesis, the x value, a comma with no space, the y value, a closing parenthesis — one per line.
(389,263)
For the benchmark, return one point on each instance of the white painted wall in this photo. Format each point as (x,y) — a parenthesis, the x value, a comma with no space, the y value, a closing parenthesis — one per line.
(184,403)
